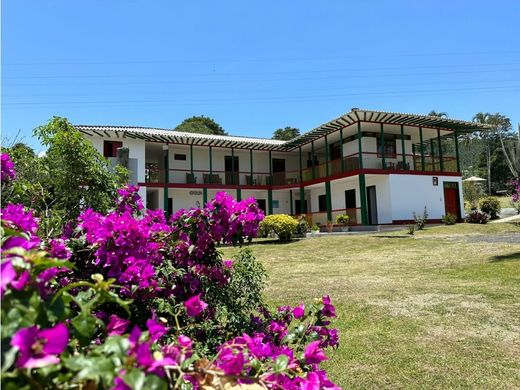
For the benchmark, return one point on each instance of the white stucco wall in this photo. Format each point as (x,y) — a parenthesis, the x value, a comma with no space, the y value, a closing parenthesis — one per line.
(410,193)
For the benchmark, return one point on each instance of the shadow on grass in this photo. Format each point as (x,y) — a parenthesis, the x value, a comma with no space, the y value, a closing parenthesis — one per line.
(509,257)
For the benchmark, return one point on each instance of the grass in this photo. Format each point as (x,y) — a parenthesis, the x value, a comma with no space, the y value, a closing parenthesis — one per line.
(505,201)
(438,310)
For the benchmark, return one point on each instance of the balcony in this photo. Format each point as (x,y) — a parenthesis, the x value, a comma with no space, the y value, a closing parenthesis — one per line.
(334,168)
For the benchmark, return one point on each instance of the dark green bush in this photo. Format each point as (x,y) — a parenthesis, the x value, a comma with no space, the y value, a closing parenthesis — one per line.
(490,205)
(477,217)
(449,219)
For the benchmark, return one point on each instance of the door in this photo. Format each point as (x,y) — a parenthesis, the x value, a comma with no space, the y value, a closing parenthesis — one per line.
(372,205)
(232,168)
(451,199)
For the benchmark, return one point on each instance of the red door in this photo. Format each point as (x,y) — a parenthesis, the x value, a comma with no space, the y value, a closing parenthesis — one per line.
(451,201)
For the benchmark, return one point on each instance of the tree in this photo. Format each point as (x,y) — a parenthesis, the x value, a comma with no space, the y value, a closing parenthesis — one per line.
(71,177)
(512,153)
(286,133)
(440,114)
(200,124)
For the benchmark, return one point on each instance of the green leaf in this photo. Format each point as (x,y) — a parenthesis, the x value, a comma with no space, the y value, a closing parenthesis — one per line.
(153,382)
(96,368)
(86,326)
(8,359)
(135,379)
(281,363)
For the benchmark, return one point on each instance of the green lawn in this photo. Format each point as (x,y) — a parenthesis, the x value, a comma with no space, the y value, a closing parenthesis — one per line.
(438,310)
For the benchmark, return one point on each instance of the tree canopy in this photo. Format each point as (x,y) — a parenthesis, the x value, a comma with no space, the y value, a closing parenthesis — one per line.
(286,133)
(202,125)
(440,114)
(71,176)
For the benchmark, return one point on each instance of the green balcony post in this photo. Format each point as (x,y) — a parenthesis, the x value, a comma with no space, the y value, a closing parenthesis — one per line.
(239,194)
(327,171)
(432,153)
(456,137)
(302,200)
(271,181)
(204,196)
(439,141)
(312,160)
(341,149)
(301,168)
(210,166)
(382,141)
(363,199)
(360,145)
(166,159)
(251,165)
(328,200)
(402,147)
(269,201)
(291,202)
(232,166)
(413,153)
(422,148)
(191,159)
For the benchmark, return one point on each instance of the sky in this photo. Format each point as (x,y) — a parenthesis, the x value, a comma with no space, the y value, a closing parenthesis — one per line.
(253,66)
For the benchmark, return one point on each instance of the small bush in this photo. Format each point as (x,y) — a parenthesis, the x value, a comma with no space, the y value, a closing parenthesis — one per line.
(420,221)
(315,227)
(449,219)
(411,229)
(343,219)
(303,225)
(490,205)
(283,225)
(477,217)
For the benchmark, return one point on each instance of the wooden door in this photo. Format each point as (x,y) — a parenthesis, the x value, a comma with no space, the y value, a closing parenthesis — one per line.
(451,199)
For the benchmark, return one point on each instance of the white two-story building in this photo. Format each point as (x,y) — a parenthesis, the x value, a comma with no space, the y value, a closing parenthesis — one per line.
(378,167)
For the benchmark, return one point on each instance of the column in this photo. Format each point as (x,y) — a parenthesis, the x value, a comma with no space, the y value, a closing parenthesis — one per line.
(327,171)
(382,141)
(312,160)
(363,199)
(239,194)
(360,146)
(270,170)
(301,168)
(341,150)
(328,201)
(291,202)
(251,165)
(210,166)
(456,136)
(302,200)
(232,166)
(422,147)
(441,162)
(204,196)
(166,159)
(269,201)
(191,162)
(402,147)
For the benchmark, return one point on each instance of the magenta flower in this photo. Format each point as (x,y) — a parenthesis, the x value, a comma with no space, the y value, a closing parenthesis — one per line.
(10,278)
(230,363)
(38,348)
(328,309)
(58,249)
(194,306)
(8,172)
(314,354)
(156,329)
(299,311)
(117,325)
(16,216)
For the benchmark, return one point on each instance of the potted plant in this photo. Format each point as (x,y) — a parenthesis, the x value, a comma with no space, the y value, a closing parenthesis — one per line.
(315,229)
(330,226)
(343,220)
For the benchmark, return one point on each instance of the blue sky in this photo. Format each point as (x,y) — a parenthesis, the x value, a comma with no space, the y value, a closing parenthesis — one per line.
(254,66)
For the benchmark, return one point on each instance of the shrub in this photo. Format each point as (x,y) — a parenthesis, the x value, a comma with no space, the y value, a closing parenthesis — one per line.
(315,227)
(477,217)
(472,193)
(490,205)
(283,225)
(303,225)
(420,221)
(449,219)
(411,229)
(73,308)
(343,219)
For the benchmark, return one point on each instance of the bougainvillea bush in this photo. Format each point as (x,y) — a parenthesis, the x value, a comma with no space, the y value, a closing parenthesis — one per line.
(131,300)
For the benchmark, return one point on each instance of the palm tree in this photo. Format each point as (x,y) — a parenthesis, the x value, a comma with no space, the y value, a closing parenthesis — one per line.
(440,114)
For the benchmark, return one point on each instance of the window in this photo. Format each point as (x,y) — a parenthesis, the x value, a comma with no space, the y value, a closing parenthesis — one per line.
(110,148)
(180,157)
(388,147)
(322,203)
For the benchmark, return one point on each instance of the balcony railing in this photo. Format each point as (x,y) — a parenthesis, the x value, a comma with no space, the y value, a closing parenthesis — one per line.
(335,167)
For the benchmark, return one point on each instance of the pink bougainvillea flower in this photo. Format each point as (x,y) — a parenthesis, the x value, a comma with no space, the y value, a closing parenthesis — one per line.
(156,329)
(230,363)
(10,278)
(194,306)
(117,325)
(7,171)
(314,354)
(228,263)
(328,309)
(299,311)
(184,341)
(39,348)
(58,249)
